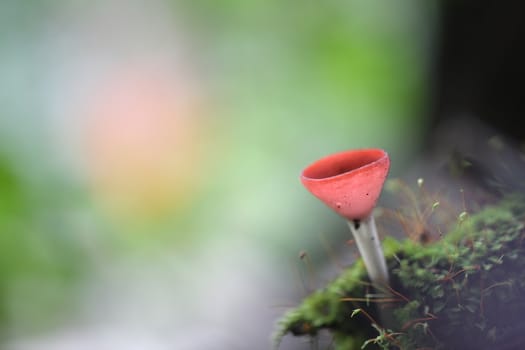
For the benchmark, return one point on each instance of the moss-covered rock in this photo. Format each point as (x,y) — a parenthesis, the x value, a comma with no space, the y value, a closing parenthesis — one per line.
(464,291)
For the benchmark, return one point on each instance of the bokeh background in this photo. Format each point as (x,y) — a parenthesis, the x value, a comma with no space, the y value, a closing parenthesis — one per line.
(150,154)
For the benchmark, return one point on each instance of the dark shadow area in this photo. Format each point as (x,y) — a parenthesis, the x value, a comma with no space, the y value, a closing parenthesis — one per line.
(479,65)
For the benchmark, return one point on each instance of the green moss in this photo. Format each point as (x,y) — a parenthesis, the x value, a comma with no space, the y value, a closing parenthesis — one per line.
(465,291)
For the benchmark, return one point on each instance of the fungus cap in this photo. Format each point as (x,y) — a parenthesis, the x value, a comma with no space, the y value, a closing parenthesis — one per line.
(349,182)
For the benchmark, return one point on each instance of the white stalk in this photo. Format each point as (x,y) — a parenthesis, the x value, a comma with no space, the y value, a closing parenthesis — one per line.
(369,245)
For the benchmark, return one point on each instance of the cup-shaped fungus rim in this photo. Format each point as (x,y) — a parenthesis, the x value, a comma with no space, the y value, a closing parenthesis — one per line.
(349,182)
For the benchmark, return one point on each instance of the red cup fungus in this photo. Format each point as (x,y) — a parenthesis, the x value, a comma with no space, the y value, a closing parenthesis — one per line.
(350,183)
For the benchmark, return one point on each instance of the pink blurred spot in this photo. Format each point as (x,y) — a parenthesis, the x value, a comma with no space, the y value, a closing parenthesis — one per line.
(144,139)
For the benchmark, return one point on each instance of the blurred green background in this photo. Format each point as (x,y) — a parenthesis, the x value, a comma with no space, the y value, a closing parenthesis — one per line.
(150,154)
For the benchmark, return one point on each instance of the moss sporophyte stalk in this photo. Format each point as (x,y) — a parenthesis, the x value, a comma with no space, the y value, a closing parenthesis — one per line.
(465,290)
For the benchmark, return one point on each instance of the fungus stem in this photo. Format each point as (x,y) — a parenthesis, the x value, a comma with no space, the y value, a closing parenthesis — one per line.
(369,245)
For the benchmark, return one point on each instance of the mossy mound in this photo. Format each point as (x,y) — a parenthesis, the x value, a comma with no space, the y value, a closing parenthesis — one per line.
(464,291)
